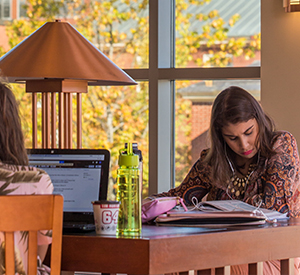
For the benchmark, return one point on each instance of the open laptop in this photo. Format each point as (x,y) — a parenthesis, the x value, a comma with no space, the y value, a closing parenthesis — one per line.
(81,176)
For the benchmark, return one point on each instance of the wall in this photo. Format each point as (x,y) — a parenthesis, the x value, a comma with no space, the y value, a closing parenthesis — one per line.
(200,123)
(280,65)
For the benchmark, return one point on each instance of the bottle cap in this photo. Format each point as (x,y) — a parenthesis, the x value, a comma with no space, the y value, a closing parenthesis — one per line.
(136,150)
(127,157)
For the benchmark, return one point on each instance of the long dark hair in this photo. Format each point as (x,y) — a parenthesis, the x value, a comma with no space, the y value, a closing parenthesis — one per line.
(12,147)
(234,105)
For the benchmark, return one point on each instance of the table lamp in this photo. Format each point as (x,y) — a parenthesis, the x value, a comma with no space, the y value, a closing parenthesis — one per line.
(56,58)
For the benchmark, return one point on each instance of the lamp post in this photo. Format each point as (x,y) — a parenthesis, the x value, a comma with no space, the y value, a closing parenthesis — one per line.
(57,59)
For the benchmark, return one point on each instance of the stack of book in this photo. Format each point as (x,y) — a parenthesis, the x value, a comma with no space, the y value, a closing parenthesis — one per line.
(219,213)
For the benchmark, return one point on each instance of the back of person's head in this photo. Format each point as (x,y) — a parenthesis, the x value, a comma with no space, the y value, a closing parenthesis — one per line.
(234,105)
(12,148)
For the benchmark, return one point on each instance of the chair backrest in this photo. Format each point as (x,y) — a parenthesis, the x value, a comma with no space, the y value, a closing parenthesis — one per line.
(31,213)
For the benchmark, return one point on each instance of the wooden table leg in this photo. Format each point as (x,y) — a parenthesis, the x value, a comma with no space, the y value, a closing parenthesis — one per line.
(218,271)
(223,270)
(203,272)
(287,266)
(255,268)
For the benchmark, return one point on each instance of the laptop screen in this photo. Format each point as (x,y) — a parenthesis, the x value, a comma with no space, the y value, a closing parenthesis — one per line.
(80,175)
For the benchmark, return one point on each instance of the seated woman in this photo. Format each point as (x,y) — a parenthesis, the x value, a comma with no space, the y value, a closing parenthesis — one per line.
(247,160)
(17,178)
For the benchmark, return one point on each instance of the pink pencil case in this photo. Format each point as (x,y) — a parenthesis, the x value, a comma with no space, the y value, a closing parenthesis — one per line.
(157,206)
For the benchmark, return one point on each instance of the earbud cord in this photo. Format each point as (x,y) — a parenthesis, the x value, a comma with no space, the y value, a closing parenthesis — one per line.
(233,172)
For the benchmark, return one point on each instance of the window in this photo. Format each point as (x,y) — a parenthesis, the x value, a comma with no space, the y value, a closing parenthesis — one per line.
(22,9)
(113,116)
(5,9)
(182,53)
(193,107)
(207,55)
(219,34)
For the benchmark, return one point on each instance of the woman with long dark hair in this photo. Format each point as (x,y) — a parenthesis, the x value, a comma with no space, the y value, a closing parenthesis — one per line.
(247,160)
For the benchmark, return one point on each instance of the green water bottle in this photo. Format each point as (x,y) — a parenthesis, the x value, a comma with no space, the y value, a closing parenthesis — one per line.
(128,194)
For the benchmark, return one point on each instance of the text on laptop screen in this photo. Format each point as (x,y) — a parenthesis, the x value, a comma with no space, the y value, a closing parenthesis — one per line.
(76,176)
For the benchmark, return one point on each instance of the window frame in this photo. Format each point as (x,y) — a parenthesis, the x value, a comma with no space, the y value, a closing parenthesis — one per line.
(161,75)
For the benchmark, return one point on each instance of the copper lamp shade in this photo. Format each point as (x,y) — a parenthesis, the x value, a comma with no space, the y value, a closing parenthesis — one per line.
(58,51)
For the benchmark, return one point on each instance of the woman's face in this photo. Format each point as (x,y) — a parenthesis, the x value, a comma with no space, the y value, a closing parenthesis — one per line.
(241,138)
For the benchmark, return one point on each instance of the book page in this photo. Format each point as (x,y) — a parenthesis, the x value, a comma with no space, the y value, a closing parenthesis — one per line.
(225,205)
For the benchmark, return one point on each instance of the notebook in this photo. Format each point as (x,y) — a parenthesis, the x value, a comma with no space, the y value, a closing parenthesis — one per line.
(81,176)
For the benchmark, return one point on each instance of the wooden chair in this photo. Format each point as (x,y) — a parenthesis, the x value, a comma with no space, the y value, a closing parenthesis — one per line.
(31,213)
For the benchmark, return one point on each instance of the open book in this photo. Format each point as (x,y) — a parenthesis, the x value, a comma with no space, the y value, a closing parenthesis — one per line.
(219,213)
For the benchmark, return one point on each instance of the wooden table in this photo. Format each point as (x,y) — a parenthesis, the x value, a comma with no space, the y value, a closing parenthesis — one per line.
(161,250)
